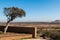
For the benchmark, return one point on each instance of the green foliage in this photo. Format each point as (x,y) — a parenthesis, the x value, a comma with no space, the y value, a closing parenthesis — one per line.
(1,32)
(13,12)
(55,34)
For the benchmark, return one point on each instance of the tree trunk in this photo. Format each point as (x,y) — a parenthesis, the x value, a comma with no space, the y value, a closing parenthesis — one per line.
(5,29)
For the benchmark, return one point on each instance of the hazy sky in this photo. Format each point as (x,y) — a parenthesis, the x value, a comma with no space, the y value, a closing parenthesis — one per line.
(36,10)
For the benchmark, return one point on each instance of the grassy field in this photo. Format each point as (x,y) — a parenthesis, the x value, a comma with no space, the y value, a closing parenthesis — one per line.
(53,33)
(48,31)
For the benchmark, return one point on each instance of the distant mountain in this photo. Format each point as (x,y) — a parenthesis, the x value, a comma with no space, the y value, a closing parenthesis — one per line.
(56,21)
(53,22)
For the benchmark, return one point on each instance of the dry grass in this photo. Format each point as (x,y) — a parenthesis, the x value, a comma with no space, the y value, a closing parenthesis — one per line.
(13,36)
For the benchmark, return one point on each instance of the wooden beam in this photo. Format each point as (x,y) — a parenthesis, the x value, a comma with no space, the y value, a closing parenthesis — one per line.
(35,32)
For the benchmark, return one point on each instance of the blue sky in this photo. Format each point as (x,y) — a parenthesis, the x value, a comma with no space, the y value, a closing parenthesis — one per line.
(36,10)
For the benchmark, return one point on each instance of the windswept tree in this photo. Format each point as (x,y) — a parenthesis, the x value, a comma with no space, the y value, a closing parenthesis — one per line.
(12,13)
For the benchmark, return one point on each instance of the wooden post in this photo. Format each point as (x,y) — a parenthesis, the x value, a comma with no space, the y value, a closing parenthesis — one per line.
(35,32)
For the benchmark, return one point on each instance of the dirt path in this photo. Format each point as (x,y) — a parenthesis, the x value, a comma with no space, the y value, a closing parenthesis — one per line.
(14,36)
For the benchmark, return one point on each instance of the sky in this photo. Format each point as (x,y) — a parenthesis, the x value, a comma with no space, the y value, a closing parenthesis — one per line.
(36,10)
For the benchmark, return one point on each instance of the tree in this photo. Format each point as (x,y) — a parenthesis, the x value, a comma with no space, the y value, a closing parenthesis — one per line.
(12,13)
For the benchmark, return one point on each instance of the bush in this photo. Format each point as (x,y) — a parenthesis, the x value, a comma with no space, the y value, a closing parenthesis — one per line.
(53,34)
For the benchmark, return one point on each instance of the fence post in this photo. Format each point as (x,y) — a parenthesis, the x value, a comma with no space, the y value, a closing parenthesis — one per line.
(35,32)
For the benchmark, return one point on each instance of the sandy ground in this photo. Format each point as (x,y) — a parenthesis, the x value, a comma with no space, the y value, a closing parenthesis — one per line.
(38,38)
(14,36)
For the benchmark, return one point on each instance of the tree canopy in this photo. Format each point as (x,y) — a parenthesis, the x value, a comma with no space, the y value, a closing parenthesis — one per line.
(13,12)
